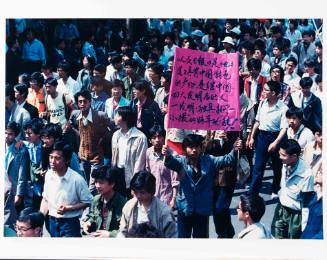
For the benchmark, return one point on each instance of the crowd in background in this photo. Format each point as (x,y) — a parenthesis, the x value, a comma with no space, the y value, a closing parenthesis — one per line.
(88,150)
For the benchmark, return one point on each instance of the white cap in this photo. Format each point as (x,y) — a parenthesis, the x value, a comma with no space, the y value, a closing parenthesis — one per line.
(229,40)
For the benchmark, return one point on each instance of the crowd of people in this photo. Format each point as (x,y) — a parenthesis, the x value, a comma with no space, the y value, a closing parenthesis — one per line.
(88,151)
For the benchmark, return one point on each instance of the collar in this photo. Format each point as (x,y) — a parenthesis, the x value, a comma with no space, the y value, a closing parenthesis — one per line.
(89,116)
(293,169)
(139,103)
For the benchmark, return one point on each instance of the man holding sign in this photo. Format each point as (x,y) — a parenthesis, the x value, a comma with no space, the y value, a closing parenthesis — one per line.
(204,95)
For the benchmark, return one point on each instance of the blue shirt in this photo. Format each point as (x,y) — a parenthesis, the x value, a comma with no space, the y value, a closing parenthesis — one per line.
(98,102)
(34,51)
(34,151)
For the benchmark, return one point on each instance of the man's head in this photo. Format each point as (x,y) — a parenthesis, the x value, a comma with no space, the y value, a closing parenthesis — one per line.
(125,115)
(30,34)
(117,89)
(165,80)
(51,86)
(308,37)
(247,48)
(192,145)
(36,81)
(32,130)
(318,48)
(155,71)
(96,83)
(63,69)
(271,90)
(251,208)
(169,38)
(116,62)
(309,67)
(306,84)
(105,179)
(290,65)
(29,223)
(12,130)
(289,152)
(21,92)
(100,70)
(294,117)
(254,67)
(157,137)
(83,100)
(143,185)
(130,67)
(50,134)
(277,73)
(60,156)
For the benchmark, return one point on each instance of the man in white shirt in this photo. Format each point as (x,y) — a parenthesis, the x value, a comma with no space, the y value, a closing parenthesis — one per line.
(66,84)
(290,77)
(170,47)
(297,130)
(65,194)
(269,130)
(250,210)
(297,185)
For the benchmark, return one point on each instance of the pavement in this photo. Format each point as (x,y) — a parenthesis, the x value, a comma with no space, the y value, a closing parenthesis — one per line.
(265,193)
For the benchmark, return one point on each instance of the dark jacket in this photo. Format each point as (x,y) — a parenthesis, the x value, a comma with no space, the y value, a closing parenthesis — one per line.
(312,113)
(314,227)
(114,212)
(150,115)
(34,113)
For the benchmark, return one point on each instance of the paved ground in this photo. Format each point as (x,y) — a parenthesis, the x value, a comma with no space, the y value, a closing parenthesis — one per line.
(270,206)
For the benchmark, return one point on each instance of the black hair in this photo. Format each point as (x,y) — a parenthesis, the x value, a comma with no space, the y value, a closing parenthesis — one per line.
(65,66)
(281,71)
(132,63)
(306,82)
(171,58)
(129,53)
(157,68)
(254,205)
(106,173)
(286,43)
(143,85)
(38,77)
(22,89)
(116,59)
(254,64)
(192,140)
(33,216)
(52,130)
(248,46)
(46,66)
(309,63)
(127,115)
(96,80)
(292,59)
(66,150)
(279,45)
(170,35)
(276,29)
(11,40)
(291,147)
(318,79)
(153,56)
(100,68)
(35,124)
(25,78)
(10,92)
(294,22)
(144,230)
(156,130)
(91,62)
(118,83)
(51,81)
(259,44)
(15,127)
(167,75)
(294,111)
(318,44)
(57,41)
(309,33)
(83,93)
(144,180)
(274,86)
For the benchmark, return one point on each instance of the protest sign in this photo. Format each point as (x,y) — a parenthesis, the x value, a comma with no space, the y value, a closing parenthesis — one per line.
(204,92)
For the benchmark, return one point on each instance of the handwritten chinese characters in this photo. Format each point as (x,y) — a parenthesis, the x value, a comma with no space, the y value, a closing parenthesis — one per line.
(204,92)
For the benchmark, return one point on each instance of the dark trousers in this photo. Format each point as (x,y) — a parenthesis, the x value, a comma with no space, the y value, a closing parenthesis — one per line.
(286,223)
(88,168)
(64,227)
(32,66)
(263,140)
(221,214)
(195,225)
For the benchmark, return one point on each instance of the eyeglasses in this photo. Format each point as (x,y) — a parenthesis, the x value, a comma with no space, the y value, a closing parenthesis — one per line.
(21,229)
